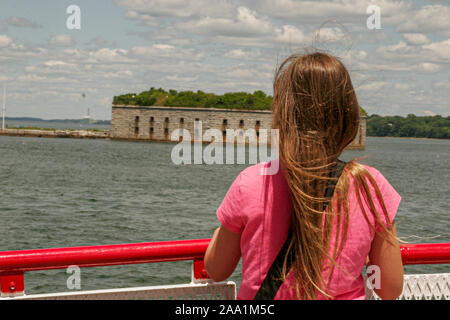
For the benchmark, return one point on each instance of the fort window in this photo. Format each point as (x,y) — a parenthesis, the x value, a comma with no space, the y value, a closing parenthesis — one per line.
(166,119)
(225,122)
(136,119)
(241,123)
(181,120)
(150,133)
(136,130)
(257,126)
(197,119)
(152,119)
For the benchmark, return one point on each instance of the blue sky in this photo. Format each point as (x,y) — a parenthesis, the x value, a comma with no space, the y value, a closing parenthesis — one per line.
(217,46)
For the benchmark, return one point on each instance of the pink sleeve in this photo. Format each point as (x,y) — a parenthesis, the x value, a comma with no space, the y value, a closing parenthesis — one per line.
(391,197)
(230,211)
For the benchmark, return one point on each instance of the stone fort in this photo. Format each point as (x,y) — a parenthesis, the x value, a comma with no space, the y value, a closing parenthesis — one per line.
(156,123)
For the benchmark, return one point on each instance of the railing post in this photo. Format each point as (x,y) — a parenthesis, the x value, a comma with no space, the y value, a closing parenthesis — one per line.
(199,274)
(12,284)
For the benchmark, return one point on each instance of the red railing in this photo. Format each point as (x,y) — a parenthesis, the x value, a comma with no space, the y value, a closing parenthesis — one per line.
(13,264)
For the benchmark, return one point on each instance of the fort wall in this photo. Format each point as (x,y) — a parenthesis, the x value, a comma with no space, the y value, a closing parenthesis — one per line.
(156,123)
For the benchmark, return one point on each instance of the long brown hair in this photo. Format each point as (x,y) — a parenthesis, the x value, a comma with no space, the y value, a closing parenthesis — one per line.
(316,111)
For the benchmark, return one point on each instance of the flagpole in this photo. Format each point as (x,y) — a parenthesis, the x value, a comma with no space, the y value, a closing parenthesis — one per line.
(4,107)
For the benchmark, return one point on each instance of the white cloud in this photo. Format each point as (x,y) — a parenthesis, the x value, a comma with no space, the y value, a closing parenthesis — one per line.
(248,19)
(430,18)
(119,74)
(52,63)
(240,73)
(324,10)
(95,56)
(246,23)
(61,40)
(5,78)
(177,78)
(109,55)
(399,52)
(402,86)
(164,47)
(5,41)
(290,34)
(442,84)
(328,34)
(136,9)
(31,77)
(22,23)
(242,54)
(373,86)
(163,50)
(416,38)
(431,67)
(439,49)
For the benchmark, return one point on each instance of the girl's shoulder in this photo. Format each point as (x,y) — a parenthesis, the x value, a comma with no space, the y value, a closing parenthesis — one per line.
(379,178)
(259,176)
(262,170)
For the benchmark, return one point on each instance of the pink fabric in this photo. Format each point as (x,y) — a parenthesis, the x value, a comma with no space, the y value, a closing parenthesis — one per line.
(259,207)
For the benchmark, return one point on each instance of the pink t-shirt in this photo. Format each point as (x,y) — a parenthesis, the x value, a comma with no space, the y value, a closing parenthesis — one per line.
(259,208)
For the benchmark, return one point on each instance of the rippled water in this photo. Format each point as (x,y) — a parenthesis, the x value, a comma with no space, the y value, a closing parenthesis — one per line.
(70,192)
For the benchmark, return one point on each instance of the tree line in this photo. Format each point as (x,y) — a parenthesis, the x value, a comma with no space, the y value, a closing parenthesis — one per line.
(257,100)
(410,126)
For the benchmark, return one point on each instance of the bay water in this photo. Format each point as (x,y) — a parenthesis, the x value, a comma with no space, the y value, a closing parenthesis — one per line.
(77,192)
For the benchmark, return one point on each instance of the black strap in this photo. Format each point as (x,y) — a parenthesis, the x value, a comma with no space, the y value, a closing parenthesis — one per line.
(273,281)
(336,172)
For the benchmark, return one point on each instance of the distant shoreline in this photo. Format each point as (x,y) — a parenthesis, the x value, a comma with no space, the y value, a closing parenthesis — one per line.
(415,138)
(58,120)
(56,133)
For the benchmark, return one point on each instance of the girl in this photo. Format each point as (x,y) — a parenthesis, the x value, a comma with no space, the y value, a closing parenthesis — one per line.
(313,237)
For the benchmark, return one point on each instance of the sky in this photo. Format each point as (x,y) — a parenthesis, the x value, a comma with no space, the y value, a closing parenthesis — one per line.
(399,60)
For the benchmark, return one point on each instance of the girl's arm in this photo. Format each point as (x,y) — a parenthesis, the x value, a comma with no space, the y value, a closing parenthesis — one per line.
(385,253)
(223,254)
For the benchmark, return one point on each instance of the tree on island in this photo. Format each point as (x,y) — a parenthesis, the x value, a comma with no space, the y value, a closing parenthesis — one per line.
(231,100)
